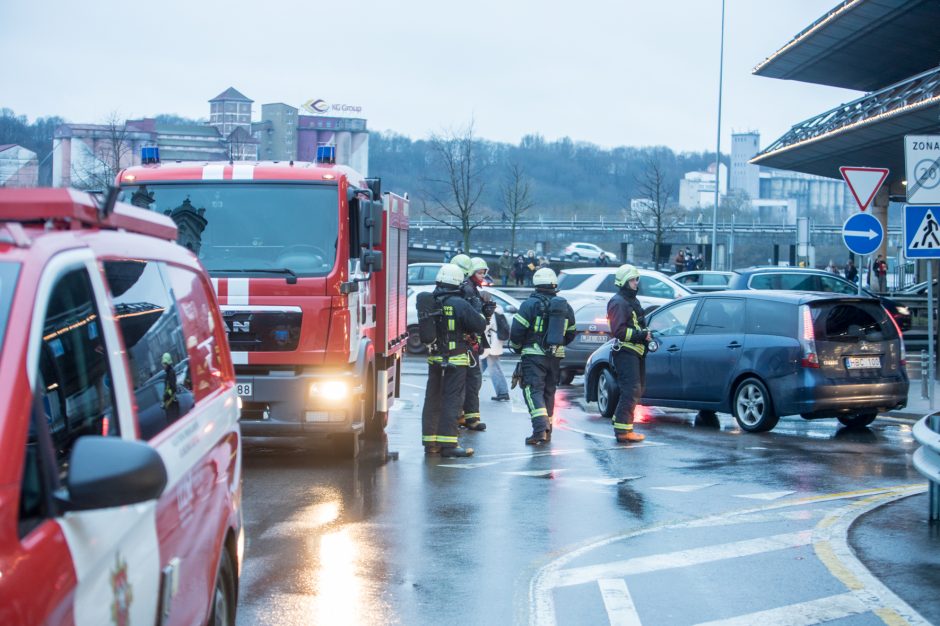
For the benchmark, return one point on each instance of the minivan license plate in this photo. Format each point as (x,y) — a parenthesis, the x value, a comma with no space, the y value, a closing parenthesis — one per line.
(594,338)
(243,389)
(862,362)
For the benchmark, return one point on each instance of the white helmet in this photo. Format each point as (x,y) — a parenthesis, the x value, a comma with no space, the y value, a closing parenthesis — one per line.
(464,263)
(545,277)
(450,274)
(624,274)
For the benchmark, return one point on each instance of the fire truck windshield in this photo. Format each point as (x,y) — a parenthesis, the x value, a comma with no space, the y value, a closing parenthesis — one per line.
(8,273)
(240,228)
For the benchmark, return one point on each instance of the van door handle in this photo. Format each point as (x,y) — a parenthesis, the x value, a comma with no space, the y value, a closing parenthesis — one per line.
(734,344)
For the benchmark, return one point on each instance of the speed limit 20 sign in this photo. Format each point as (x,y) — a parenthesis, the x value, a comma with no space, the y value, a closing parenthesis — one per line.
(922,167)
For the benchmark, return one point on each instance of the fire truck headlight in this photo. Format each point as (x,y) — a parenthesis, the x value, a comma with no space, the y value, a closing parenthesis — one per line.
(329,390)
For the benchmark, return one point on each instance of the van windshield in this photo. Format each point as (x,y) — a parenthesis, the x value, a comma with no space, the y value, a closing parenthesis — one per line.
(8,274)
(237,228)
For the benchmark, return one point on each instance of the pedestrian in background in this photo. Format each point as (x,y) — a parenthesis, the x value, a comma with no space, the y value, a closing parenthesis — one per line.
(602,260)
(832,268)
(504,267)
(497,332)
(851,272)
(689,260)
(679,261)
(880,271)
(518,270)
(531,264)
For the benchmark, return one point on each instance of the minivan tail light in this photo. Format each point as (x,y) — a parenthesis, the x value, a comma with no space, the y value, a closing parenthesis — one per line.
(808,338)
(900,337)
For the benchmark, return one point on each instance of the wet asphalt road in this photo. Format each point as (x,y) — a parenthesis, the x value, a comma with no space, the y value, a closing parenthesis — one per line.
(700,523)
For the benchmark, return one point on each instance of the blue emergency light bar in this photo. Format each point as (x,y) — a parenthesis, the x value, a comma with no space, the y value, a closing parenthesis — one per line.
(326,154)
(149,155)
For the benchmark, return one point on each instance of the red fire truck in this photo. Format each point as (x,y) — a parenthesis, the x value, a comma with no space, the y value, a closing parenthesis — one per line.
(309,264)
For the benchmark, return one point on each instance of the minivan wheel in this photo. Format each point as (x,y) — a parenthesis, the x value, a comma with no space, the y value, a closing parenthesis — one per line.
(608,394)
(753,408)
(859,420)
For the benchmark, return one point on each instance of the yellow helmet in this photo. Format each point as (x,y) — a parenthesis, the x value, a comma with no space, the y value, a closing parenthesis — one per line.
(625,273)
(477,264)
(464,263)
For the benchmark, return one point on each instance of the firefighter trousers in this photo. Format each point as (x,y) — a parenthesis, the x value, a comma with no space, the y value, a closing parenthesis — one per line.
(471,399)
(539,379)
(630,369)
(442,398)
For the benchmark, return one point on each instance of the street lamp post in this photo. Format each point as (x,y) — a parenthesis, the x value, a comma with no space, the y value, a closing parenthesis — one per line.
(721,68)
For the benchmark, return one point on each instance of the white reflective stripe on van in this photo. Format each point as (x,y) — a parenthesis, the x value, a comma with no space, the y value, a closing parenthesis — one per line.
(238,291)
(213,172)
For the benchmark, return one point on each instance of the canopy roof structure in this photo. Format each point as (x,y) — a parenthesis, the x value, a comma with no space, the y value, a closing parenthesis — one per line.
(888,47)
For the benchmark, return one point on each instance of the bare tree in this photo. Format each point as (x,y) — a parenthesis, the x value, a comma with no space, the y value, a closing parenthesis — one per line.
(109,153)
(455,193)
(516,194)
(652,212)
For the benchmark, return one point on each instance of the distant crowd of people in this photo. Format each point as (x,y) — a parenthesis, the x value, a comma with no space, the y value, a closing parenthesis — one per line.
(686,261)
(877,273)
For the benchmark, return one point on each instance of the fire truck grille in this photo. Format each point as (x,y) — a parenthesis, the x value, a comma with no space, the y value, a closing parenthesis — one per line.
(262,331)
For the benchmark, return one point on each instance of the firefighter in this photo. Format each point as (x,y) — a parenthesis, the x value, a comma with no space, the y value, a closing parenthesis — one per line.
(541,352)
(171,403)
(482,302)
(628,326)
(447,366)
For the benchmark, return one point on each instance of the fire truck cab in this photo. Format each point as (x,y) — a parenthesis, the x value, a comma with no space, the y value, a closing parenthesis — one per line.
(120,451)
(309,264)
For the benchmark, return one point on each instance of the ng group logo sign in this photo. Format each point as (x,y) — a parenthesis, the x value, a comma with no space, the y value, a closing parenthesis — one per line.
(318,106)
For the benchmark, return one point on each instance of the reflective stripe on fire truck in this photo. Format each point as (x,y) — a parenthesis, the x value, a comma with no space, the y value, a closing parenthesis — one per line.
(239,358)
(238,291)
(213,172)
(243,171)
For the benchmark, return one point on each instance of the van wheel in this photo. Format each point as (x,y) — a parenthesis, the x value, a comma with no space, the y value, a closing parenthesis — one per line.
(859,420)
(608,393)
(566,376)
(224,601)
(753,408)
(414,342)
(346,445)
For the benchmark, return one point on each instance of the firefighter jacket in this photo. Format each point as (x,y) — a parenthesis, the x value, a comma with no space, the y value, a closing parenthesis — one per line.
(529,325)
(471,293)
(458,320)
(627,321)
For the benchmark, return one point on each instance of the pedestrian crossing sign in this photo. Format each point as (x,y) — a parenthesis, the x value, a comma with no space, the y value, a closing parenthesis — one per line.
(921,231)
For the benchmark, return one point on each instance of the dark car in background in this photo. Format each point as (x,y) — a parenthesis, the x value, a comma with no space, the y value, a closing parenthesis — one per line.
(592,330)
(805,279)
(761,354)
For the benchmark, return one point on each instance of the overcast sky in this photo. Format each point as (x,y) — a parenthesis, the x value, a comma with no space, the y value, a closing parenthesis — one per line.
(610,72)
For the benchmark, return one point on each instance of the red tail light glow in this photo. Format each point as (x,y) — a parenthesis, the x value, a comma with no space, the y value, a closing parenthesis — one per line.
(900,338)
(808,339)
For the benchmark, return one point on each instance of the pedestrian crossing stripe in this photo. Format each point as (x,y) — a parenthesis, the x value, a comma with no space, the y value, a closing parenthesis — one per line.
(926,234)
(686,488)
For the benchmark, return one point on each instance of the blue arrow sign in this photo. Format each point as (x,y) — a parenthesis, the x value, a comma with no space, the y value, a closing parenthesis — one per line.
(921,231)
(862,233)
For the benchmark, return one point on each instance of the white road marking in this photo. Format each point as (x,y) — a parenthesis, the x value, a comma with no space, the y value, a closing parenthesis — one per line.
(685,488)
(800,614)
(619,603)
(608,482)
(769,495)
(538,473)
(681,558)
(466,465)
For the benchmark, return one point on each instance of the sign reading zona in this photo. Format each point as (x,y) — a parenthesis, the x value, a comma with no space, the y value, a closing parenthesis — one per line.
(864,182)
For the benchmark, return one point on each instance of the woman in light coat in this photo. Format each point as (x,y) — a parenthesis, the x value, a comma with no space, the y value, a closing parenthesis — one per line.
(491,358)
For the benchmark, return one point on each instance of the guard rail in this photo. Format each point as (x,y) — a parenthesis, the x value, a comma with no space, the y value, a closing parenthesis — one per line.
(927,459)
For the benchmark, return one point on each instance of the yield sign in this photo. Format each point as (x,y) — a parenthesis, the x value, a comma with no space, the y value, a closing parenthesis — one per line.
(864,182)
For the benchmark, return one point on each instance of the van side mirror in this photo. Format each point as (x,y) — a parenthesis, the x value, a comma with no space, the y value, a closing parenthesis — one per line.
(370,224)
(371,260)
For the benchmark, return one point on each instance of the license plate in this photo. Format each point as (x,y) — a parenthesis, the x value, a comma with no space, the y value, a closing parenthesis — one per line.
(862,362)
(243,389)
(594,338)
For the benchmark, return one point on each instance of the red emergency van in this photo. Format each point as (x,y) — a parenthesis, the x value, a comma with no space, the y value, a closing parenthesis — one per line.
(120,451)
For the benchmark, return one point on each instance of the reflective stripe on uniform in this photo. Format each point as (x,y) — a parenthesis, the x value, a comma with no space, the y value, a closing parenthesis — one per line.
(619,426)
(471,416)
(429,438)
(521,320)
(461,360)
(446,439)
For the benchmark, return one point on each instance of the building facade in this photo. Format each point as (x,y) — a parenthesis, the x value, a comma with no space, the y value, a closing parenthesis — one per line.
(19,166)
(697,189)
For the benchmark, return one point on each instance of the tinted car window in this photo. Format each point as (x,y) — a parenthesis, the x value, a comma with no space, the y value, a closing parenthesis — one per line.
(590,313)
(674,320)
(852,323)
(8,273)
(834,285)
(766,317)
(414,274)
(720,316)
(654,288)
(151,328)
(608,285)
(570,281)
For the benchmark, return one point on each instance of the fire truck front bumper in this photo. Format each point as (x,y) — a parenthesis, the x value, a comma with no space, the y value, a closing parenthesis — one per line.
(290,405)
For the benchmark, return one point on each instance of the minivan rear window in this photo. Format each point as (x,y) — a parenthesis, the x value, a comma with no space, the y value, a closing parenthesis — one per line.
(851,322)
(770,317)
(8,274)
(571,281)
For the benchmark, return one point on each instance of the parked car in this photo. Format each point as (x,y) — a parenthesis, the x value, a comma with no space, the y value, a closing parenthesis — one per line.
(588,251)
(597,283)
(806,279)
(423,273)
(703,280)
(592,330)
(760,355)
(109,493)
(506,302)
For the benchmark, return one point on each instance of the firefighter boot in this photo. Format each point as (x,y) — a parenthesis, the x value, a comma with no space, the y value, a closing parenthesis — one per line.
(432,450)
(474,423)
(630,437)
(537,439)
(452,452)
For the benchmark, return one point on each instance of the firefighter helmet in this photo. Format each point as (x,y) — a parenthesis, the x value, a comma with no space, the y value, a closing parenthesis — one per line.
(167,359)
(464,263)
(477,264)
(625,273)
(545,277)
(450,274)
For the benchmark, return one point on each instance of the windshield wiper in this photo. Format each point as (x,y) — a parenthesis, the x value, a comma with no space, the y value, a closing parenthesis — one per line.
(291,276)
